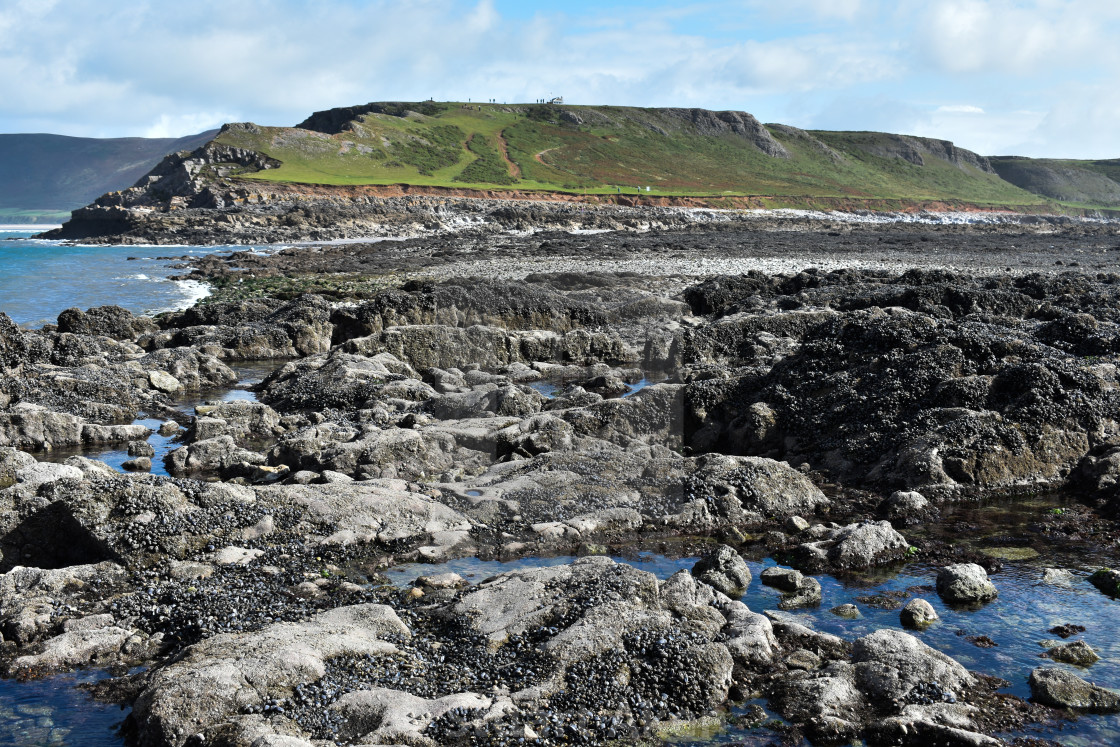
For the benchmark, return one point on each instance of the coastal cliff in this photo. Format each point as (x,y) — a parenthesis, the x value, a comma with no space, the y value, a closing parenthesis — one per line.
(394,169)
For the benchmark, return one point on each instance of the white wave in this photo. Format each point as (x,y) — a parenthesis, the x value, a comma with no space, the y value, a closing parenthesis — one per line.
(193,292)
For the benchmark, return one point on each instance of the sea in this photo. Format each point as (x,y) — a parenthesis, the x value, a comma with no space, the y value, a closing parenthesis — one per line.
(39,279)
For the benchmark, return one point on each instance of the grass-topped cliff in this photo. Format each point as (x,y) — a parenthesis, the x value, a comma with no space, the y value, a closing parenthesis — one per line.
(598,149)
(358,171)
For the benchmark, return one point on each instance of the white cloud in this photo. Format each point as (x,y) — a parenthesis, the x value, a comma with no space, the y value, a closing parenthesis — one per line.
(181,125)
(1017,37)
(957,69)
(959,109)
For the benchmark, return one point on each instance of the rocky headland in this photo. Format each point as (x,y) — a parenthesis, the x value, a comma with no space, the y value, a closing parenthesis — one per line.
(823,398)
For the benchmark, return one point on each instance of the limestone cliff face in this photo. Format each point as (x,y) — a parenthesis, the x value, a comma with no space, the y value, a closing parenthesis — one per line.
(1069,182)
(184,180)
(709,123)
(187,179)
(916,149)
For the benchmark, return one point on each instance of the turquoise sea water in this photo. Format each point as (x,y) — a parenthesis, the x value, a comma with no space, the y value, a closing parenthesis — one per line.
(38,279)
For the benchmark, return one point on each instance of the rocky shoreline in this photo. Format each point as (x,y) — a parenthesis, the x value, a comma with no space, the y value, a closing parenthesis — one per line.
(181,202)
(490,396)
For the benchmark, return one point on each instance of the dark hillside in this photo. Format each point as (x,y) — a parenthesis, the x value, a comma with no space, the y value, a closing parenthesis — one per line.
(55,172)
(1084,182)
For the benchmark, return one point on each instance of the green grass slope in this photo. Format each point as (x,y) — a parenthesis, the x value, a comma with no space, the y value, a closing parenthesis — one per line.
(1072,182)
(49,175)
(600,149)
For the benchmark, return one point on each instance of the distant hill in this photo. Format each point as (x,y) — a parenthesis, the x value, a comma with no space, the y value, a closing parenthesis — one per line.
(1092,183)
(600,149)
(625,155)
(52,174)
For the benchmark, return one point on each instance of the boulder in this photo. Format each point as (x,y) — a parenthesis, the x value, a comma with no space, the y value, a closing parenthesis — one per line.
(724,570)
(1107,581)
(786,579)
(28,426)
(214,455)
(212,685)
(1077,652)
(164,382)
(754,490)
(137,464)
(807,594)
(387,717)
(107,321)
(1061,689)
(965,583)
(13,348)
(851,547)
(190,368)
(918,614)
(889,664)
(906,507)
(374,511)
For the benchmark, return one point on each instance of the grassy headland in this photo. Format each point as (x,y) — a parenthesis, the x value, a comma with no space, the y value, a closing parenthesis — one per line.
(601,150)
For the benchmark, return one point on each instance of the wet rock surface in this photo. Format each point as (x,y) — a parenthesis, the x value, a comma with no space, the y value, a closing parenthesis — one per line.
(965,583)
(833,420)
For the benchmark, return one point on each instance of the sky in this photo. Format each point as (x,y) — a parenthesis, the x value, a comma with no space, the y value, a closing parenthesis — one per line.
(1025,77)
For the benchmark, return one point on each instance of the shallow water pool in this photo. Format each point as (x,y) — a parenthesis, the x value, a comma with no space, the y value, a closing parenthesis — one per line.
(53,712)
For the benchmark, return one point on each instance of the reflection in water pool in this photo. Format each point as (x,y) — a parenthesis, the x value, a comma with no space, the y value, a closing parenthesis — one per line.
(52,712)
(547,388)
(49,712)
(1021,617)
(34,713)
(248,373)
(550,389)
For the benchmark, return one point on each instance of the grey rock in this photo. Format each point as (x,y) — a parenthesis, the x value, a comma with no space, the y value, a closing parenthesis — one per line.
(889,663)
(441,581)
(918,613)
(385,716)
(795,524)
(1107,581)
(1061,689)
(141,449)
(207,688)
(754,489)
(97,435)
(110,321)
(1057,576)
(164,382)
(965,583)
(383,511)
(847,611)
(786,579)
(807,594)
(75,648)
(1077,652)
(906,507)
(40,473)
(724,570)
(854,546)
(214,455)
(139,464)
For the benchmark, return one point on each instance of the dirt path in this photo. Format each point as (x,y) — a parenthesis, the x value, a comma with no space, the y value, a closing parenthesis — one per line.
(514,169)
(540,160)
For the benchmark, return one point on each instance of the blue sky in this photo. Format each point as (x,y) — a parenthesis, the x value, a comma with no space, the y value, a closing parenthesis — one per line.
(1030,77)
